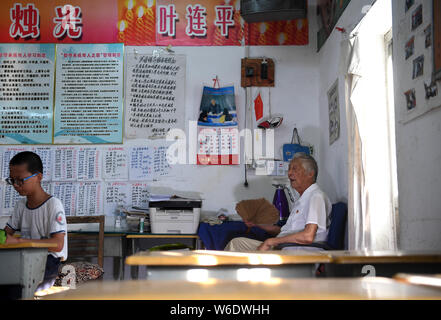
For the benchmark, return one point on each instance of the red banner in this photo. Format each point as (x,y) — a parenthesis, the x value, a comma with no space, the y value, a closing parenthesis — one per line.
(142,22)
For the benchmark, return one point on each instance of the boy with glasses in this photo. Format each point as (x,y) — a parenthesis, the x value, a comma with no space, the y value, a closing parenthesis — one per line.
(39,216)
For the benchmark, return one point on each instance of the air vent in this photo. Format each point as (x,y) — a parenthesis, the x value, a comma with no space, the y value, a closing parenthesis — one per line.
(272,10)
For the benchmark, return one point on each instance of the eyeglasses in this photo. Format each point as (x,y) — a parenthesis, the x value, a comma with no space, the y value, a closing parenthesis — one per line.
(19,182)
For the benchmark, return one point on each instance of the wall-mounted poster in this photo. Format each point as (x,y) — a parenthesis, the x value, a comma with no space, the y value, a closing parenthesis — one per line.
(26,93)
(410,99)
(409,47)
(418,67)
(417,17)
(334,113)
(89,94)
(409,3)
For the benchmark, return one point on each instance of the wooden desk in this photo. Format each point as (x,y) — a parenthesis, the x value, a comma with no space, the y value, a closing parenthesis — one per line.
(23,264)
(431,280)
(274,289)
(225,264)
(382,263)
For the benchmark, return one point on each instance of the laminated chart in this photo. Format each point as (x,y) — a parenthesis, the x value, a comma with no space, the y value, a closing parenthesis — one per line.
(89,94)
(27,93)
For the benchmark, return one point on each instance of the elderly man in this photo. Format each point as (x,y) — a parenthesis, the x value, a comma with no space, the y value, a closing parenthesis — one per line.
(309,218)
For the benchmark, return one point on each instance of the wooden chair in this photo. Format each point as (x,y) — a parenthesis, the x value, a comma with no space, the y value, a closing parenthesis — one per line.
(86,245)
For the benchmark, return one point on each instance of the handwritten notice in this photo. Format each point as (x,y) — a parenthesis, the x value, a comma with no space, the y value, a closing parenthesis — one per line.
(65,164)
(10,198)
(89,201)
(116,194)
(7,154)
(1,201)
(89,93)
(67,192)
(26,93)
(141,163)
(89,164)
(46,156)
(140,195)
(155,96)
(161,167)
(115,164)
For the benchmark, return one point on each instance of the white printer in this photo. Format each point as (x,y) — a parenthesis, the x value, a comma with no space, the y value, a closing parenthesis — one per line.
(177,215)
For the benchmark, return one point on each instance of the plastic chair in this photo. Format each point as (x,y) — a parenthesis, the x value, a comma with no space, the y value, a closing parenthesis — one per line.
(336,233)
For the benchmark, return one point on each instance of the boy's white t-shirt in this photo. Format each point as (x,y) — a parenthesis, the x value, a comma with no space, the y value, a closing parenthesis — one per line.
(41,222)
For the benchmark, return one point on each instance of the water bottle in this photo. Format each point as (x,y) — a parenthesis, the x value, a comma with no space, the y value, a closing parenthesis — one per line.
(118,222)
(141,225)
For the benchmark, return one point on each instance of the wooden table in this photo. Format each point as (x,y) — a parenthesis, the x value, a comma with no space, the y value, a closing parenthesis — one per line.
(381,263)
(24,264)
(273,289)
(226,264)
(431,280)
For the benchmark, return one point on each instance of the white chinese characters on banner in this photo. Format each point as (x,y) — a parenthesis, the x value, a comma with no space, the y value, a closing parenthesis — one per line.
(25,21)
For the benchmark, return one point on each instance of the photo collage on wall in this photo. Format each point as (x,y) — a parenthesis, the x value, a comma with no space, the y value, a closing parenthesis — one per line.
(412,55)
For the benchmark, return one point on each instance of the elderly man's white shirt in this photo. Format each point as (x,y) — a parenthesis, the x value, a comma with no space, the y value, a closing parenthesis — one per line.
(313,207)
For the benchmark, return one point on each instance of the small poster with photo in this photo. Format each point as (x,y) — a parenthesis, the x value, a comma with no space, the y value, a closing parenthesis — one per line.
(428,34)
(218,107)
(410,99)
(418,67)
(417,17)
(409,47)
(334,113)
(409,3)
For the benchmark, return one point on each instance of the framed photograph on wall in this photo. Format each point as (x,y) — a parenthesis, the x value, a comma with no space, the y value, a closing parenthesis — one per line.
(410,47)
(436,37)
(417,17)
(334,113)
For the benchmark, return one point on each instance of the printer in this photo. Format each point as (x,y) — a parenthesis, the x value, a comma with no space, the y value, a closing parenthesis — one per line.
(176,215)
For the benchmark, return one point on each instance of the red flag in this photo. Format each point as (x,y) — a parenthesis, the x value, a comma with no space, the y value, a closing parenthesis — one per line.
(258,107)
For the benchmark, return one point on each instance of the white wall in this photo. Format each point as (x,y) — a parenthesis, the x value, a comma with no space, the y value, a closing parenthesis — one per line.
(418,141)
